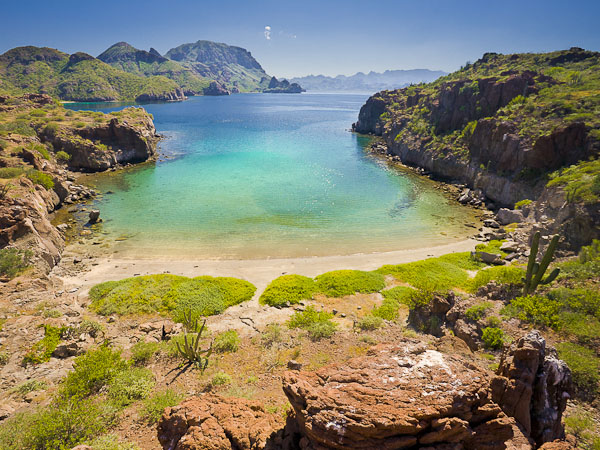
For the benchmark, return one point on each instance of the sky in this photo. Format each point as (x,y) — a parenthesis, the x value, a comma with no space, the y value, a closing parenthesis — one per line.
(296,38)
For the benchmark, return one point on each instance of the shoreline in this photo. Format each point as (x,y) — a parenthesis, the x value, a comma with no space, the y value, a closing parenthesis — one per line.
(260,272)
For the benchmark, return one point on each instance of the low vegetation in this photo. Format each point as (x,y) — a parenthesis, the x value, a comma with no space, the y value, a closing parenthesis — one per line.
(348,282)
(203,296)
(318,324)
(13,261)
(392,299)
(288,289)
(42,350)
(439,274)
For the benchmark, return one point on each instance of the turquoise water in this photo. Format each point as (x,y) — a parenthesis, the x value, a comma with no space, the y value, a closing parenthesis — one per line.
(257,175)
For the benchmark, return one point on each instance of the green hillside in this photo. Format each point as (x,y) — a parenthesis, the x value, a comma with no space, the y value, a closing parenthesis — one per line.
(78,77)
(233,67)
(129,59)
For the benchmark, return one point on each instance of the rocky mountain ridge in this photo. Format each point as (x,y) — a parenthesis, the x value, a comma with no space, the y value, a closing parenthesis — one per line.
(371,81)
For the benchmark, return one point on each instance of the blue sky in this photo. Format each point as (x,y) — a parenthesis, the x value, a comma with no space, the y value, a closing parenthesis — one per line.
(325,36)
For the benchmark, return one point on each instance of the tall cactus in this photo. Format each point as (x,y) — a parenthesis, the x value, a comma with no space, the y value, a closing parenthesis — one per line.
(535,270)
(191,351)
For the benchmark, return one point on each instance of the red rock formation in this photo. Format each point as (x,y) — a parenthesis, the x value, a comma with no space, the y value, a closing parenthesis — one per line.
(533,386)
(400,396)
(213,422)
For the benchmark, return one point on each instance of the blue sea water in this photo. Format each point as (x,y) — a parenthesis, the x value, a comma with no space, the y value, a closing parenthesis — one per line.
(268,175)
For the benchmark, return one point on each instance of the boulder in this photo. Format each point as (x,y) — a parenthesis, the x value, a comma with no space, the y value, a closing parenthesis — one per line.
(94,216)
(506,216)
(533,386)
(218,423)
(400,396)
(488,258)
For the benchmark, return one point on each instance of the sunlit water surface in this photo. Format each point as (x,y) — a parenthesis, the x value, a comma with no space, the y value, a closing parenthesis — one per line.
(268,175)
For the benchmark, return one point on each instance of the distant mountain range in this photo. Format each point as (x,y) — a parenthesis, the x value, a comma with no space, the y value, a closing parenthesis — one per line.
(125,73)
(372,81)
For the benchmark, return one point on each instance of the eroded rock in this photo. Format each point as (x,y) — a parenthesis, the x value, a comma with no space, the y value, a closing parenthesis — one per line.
(399,396)
(218,423)
(533,386)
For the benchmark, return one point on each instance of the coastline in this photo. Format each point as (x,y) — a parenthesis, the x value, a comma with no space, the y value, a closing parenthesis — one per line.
(260,272)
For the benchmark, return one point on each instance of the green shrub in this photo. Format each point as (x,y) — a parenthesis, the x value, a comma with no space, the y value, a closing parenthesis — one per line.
(11,172)
(492,246)
(348,282)
(499,274)
(41,178)
(286,289)
(111,442)
(79,124)
(369,322)
(476,312)
(199,296)
(42,350)
(271,335)
(419,298)
(584,365)
(62,156)
(317,323)
(534,309)
(220,379)
(493,338)
(65,423)
(439,274)
(392,299)
(51,128)
(130,385)
(494,322)
(13,261)
(4,357)
(520,204)
(154,405)
(321,330)
(142,352)
(92,371)
(31,386)
(227,341)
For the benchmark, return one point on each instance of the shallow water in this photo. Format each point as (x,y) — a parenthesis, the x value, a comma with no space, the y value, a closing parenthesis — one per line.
(268,175)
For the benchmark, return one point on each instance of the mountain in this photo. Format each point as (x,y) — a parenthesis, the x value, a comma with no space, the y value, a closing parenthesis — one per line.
(232,67)
(142,63)
(372,81)
(78,77)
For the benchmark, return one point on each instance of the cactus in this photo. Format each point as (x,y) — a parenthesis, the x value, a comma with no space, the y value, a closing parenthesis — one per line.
(191,351)
(189,323)
(535,270)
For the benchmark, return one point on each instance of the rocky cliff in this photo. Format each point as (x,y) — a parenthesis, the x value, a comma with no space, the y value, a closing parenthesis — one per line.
(36,158)
(503,125)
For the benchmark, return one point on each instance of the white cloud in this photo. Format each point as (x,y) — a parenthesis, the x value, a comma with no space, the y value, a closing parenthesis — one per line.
(268,33)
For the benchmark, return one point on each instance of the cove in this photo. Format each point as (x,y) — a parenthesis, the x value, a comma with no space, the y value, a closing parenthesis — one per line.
(268,176)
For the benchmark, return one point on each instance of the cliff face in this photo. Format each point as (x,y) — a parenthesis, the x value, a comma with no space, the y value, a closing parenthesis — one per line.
(499,133)
(36,156)
(101,146)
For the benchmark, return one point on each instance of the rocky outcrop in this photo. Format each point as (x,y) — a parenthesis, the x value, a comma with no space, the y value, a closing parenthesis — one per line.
(283,87)
(533,386)
(400,396)
(25,224)
(175,95)
(215,89)
(492,153)
(219,423)
(102,146)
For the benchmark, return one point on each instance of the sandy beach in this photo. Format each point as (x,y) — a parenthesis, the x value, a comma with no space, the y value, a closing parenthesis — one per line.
(258,271)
